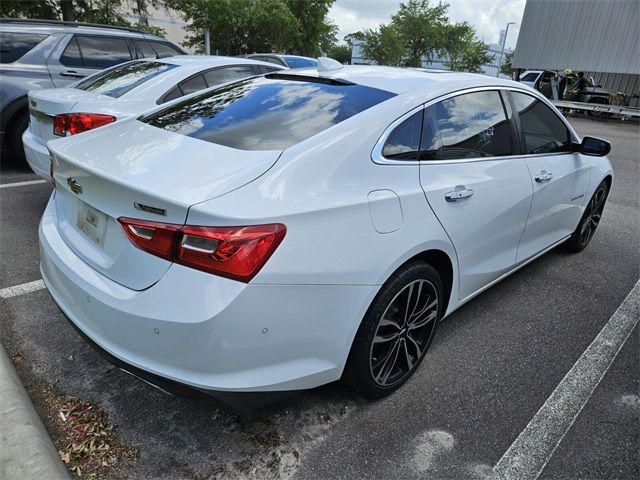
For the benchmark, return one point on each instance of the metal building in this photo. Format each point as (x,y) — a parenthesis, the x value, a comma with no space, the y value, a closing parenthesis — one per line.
(598,37)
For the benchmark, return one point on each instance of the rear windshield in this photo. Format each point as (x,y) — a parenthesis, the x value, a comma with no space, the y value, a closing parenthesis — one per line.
(117,81)
(266,113)
(14,45)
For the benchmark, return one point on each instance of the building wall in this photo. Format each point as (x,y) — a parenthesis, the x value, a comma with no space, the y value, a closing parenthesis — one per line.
(170,21)
(584,35)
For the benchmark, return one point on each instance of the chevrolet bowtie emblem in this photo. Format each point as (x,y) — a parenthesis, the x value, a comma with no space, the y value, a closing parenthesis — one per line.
(74,185)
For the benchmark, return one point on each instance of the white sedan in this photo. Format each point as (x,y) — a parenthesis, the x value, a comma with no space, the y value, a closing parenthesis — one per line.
(287,231)
(121,92)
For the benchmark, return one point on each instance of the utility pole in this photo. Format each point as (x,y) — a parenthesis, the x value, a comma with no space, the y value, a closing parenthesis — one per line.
(504,41)
(207,42)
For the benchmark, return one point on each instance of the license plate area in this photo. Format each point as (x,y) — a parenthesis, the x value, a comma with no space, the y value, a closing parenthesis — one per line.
(41,125)
(92,222)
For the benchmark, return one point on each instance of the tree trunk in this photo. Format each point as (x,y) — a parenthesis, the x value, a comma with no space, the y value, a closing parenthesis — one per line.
(67,10)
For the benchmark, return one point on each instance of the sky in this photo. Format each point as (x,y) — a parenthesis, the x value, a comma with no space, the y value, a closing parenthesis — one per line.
(487,16)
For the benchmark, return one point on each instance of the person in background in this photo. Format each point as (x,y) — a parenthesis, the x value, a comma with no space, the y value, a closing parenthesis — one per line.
(580,86)
(562,84)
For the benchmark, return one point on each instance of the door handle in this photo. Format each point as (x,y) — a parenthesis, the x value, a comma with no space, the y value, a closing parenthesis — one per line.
(72,73)
(543,176)
(459,192)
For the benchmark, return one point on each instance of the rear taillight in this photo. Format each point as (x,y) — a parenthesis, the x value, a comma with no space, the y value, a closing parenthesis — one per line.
(74,123)
(233,252)
(158,239)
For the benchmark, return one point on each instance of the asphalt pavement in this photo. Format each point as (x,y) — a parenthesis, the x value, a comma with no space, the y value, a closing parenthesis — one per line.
(492,366)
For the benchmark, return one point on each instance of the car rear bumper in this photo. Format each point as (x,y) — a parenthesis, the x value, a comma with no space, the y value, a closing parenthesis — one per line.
(37,155)
(205,332)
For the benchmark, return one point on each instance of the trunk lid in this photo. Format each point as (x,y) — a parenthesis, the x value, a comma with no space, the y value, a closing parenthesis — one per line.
(46,104)
(131,169)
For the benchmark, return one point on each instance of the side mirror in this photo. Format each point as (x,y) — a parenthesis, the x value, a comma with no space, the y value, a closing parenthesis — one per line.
(594,147)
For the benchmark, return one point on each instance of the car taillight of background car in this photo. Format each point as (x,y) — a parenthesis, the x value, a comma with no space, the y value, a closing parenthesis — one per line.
(66,124)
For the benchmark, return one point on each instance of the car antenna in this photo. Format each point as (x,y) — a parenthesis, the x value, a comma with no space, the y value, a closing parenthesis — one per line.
(326,64)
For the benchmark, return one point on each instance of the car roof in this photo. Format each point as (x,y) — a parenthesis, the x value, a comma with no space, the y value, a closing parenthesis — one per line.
(401,80)
(53,26)
(212,60)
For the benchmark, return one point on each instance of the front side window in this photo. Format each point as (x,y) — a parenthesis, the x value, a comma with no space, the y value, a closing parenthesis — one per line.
(103,52)
(471,125)
(124,78)
(14,45)
(542,129)
(404,141)
(266,113)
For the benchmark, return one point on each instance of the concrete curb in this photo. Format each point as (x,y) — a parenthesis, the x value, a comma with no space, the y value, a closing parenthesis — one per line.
(26,451)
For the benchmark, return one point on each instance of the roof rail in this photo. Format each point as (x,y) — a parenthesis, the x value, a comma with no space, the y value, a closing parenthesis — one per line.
(69,24)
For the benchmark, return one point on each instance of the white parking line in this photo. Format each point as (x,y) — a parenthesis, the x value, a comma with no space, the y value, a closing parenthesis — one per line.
(530,452)
(22,184)
(21,289)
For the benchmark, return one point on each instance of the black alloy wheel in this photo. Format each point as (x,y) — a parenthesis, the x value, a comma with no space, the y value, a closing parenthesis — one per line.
(590,220)
(396,331)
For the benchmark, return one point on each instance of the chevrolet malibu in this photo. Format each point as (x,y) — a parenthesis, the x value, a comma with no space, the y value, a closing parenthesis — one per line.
(286,231)
(120,92)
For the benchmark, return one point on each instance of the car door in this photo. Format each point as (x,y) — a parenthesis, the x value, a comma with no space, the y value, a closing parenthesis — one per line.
(559,177)
(85,55)
(480,193)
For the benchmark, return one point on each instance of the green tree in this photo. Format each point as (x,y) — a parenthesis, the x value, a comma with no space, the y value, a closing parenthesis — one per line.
(268,26)
(328,37)
(223,19)
(463,50)
(341,53)
(45,9)
(383,45)
(312,15)
(108,12)
(352,37)
(420,27)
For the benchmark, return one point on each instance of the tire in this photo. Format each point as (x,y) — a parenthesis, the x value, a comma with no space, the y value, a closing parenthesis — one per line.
(20,122)
(401,338)
(590,220)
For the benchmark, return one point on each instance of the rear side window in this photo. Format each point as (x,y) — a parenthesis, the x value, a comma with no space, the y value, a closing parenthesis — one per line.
(194,84)
(124,78)
(13,45)
(266,113)
(267,58)
(71,56)
(164,50)
(467,126)
(267,69)
(228,74)
(542,129)
(404,141)
(95,52)
(145,50)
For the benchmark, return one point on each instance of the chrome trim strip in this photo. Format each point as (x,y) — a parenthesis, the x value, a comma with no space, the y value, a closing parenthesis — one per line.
(376,154)
(378,158)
